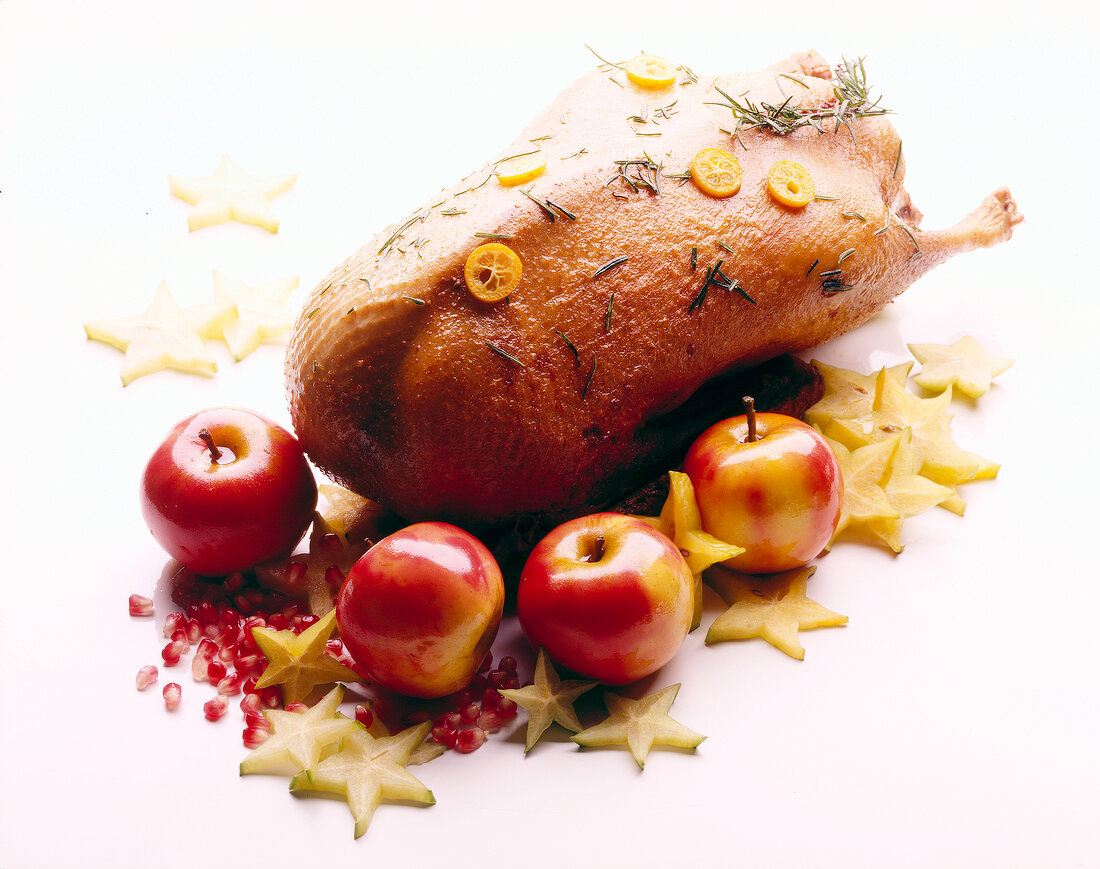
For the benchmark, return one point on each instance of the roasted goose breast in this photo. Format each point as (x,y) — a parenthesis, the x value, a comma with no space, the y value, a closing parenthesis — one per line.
(410,391)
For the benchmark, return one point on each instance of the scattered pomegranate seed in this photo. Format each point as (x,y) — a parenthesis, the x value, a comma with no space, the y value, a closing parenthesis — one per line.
(257,720)
(296,707)
(254,737)
(508,663)
(172,653)
(215,671)
(508,708)
(510,683)
(490,720)
(278,622)
(463,698)
(215,708)
(295,570)
(272,697)
(470,740)
(249,687)
(470,712)
(303,622)
(173,623)
(230,685)
(233,584)
(364,715)
(498,677)
(207,649)
(447,736)
(334,576)
(172,693)
(195,630)
(227,653)
(146,676)
(140,605)
(334,647)
(251,703)
(199,668)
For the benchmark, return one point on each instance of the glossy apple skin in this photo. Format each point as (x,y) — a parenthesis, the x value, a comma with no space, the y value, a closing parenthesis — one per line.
(614,616)
(218,518)
(420,609)
(778,496)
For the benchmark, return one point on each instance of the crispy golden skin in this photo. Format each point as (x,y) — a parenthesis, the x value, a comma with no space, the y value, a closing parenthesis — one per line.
(408,404)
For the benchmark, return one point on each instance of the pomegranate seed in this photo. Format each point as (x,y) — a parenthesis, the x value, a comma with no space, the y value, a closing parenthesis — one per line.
(207,649)
(246,664)
(233,583)
(227,653)
(257,720)
(272,697)
(497,677)
(215,671)
(295,571)
(292,609)
(180,636)
(490,720)
(278,622)
(463,698)
(477,685)
(140,606)
(303,622)
(249,687)
(510,683)
(490,700)
(250,703)
(182,584)
(172,653)
(146,676)
(507,663)
(255,596)
(334,647)
(215,708)
(171,694)
(195,631)
(173,623)
(487,664)
(244,605)
(382,707)
(470,712)
(254,737)
(470,740)
(230,619)
(296,707)
(363,715)
(230,685)
(207,613)
(199,666)
(445,735)
(508,708)
(449,719)
(331,543)
(334,576)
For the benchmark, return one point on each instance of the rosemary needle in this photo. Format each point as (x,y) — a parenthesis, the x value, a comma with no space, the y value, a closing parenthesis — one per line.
(504,353)
(610,264)
(591,374)
(572,347)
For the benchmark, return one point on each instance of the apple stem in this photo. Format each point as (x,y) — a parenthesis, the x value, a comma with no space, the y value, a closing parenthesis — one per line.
(208,439)
(596,555)
(750,412)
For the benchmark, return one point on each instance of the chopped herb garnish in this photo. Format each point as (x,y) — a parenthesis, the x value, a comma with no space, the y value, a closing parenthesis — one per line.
(565,212)
(831,273)
(795,80)
(328,287)
(544,205)
(854,214)
(572,347)
(541,138)
(497,235)
(366,281)
(591,374)
(638,173)
(452,212)
(897,161)
(610,264)
(694,257)
(912,238)
(577,154)
(845,255)
(309,316)
(918,253)
(351,310)
(516,156)
(640,133)
(504,353)
(604,62)
(822,197)
(689,76)
(724,246)
(414,300)
(416,218)
(813,266)
(833,285)
(607,319)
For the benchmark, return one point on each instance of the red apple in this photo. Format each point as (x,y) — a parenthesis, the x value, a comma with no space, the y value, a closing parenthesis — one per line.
(228,489)
(767,482)
(607,596)
(420,609)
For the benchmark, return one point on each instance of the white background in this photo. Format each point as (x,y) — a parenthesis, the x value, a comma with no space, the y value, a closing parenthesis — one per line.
(953,722)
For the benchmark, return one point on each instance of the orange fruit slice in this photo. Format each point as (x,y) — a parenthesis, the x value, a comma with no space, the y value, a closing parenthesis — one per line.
(790,183)
(716,172)
(520,169)
(492,272)
(650,71)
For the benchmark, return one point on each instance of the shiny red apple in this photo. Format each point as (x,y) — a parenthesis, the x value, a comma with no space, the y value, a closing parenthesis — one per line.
(606,596)
(769,483)
(228,489)
(420,609)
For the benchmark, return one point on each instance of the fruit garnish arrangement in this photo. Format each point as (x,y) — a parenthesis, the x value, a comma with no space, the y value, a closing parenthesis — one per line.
(559,394)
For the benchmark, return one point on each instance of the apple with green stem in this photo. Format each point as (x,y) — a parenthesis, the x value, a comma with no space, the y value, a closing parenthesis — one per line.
(767,482)
(607,596)
(419,610)
(228,489)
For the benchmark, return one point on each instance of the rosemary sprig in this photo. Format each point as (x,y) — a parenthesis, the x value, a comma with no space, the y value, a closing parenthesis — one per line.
(834,285)
(912,237)
(504,353)
(854,214)
(572,347)
(601,60)
(844,255)
(813,266)
(716,277)
(493,235)
(545,206)
(610,308)
(610,264)
(851,100)
(565,212)
(638,173)
(588,382)
(414,300)
(416,218)
(452,212)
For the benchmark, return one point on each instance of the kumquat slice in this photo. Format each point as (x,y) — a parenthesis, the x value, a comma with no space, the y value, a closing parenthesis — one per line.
(790,183)
(716,172)
(492,272)
(518,170)
(650,71)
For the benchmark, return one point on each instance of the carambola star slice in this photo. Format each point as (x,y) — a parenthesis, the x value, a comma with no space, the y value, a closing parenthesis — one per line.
(298,662)
(230,193)
(963,365)
(548,700)
(298,738)
(261,311)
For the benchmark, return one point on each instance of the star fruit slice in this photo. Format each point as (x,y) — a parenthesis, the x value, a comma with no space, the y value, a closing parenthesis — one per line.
(681,523)
(230,193)
(298,739)
(640,725)
(260,312)
(366,771)
(963,365)
(298,662)
(774,608)
(548,700)
(848,394)
(165,336)
(864,470)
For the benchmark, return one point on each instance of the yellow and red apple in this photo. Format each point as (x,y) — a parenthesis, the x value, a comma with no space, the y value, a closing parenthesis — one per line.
(420,609)
(228,489)
(767,482)
(606,596)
